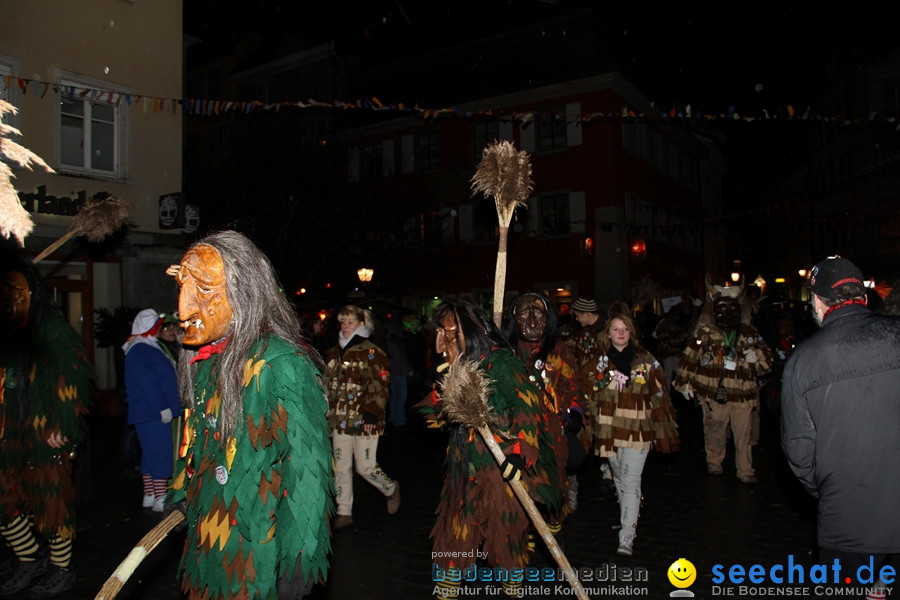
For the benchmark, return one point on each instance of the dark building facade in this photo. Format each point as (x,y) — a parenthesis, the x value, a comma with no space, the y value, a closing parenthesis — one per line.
(622,196)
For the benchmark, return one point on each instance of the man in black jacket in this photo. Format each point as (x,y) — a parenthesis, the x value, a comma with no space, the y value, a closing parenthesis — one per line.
(840,421)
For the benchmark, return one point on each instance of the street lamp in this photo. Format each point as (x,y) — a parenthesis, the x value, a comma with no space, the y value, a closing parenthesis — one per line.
(736,271)
(365,274)
(804,293)
(761,284)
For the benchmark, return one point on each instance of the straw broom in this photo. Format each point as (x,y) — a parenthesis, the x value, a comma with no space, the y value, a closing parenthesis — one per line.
(14,220)
(150,541)
(96,220)
(464,394)
(505,174)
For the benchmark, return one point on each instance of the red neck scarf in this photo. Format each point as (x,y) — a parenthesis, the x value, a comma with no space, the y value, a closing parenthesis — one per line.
(208,350)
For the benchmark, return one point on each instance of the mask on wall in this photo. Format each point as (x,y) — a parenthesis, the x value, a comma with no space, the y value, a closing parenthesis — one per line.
(168,211)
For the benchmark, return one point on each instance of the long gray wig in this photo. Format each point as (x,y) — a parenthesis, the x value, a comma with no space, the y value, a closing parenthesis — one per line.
(259,309)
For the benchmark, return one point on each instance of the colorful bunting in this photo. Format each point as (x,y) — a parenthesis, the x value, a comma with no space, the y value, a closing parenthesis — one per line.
(197,106)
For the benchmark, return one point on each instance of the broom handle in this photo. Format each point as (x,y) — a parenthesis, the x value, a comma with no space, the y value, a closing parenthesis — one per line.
(534,515)
(137,554)
(54,246)
(500,274)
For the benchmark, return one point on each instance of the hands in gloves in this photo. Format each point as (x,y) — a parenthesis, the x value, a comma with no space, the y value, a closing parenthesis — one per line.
(511,469)
(574,420)
(180,506)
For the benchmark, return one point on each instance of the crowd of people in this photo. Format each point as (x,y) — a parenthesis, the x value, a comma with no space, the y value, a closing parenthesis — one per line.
(252,424)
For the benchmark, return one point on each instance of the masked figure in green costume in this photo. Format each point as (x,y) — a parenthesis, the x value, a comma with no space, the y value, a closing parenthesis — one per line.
(46,386)
(253,472)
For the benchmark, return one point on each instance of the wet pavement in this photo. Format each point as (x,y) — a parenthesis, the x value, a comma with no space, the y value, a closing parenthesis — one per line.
(685,513)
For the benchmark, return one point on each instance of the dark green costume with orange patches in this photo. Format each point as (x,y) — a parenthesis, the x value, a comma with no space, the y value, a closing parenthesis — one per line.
(256,503)
(478,510)
(557,379)
(36,478)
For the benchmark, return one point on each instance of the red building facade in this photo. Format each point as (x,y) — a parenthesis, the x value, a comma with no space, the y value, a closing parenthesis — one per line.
(617,206)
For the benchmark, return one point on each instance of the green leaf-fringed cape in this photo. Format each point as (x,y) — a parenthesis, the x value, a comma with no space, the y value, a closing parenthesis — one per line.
(255,504)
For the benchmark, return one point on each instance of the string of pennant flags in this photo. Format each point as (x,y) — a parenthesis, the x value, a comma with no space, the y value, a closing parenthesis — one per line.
(209,108)
(110,97)
(794,208)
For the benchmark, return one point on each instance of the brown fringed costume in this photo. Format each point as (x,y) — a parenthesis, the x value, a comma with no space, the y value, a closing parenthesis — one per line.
(640,415)
(632,414)
(720,368)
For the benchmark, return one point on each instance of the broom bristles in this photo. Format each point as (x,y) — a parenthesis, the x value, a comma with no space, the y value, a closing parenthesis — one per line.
(464,394)
(505,174)
(98,219)
(14,220)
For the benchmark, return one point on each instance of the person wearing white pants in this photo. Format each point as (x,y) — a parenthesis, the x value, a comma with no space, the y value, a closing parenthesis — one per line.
(357,377)
(627,465)
(633,414)
(358,449)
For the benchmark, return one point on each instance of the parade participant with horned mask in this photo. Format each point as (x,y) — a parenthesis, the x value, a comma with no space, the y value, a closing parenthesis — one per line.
(719,368)
(253,473)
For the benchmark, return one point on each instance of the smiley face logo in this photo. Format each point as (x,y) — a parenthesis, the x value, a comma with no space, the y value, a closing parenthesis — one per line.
(682,573)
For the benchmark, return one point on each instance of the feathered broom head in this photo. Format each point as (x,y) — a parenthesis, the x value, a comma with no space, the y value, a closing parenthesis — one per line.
(98,219)
(505,174)
(14,220)
(464,395)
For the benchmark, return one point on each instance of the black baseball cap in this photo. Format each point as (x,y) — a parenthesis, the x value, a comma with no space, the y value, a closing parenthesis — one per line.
(832,274)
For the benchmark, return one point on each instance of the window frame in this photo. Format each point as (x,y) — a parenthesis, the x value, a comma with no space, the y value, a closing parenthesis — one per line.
(11,67)
(552,202)
(91,93)
(555,119)
(431,160)
(371,161)
(483,133)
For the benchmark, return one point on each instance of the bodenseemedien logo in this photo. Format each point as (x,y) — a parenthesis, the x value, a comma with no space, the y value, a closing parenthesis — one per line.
(682,575)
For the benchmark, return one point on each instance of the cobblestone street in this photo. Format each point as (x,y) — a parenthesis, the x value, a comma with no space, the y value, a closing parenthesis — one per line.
(685,513)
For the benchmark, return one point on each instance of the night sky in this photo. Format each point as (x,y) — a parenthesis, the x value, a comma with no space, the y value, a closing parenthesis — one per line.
(753,58)
(711,56)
